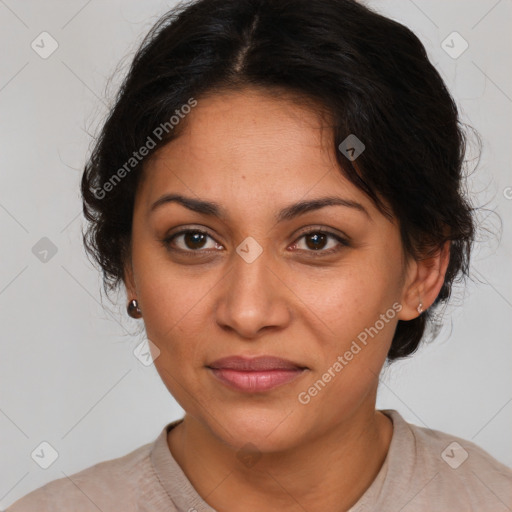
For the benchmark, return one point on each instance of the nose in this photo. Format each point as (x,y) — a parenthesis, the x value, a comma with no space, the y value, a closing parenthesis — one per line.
(253,298)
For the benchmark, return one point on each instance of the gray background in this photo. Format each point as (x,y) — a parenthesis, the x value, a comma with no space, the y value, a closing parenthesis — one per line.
(68,375)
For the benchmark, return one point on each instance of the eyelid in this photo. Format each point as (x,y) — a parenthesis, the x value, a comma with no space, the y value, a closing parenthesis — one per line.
(322,229)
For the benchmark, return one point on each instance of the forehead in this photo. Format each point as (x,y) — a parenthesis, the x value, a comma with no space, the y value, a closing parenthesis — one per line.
(249,143)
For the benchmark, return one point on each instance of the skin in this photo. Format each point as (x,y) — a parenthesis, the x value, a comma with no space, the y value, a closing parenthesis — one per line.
(254,154)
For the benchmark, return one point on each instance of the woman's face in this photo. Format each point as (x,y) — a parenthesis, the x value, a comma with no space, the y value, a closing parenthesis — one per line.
(255,284)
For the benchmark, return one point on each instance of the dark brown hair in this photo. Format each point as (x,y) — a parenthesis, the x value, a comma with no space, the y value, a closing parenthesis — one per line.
(370,73)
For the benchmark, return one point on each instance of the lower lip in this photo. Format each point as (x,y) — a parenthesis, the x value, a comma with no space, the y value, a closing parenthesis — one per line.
(255,381)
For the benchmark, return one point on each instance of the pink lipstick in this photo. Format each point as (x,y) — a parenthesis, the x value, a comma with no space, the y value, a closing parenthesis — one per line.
(253,375)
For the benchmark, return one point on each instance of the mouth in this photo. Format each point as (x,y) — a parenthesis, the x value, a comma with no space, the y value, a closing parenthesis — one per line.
(253,375)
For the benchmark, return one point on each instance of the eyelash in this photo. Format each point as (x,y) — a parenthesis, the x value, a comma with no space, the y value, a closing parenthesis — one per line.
(316,231)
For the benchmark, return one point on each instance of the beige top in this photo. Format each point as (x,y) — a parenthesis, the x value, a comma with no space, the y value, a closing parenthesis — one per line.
(424,471)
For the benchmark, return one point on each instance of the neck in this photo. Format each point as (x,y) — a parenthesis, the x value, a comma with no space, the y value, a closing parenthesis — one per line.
(329,472)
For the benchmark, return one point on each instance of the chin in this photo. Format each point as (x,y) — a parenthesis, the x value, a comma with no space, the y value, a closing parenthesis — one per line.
(266,428)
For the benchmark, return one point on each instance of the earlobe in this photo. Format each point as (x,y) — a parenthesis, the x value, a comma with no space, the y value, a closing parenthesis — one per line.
(425,283)
(132,308)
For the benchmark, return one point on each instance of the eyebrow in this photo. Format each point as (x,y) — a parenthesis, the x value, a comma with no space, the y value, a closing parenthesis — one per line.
(288,213)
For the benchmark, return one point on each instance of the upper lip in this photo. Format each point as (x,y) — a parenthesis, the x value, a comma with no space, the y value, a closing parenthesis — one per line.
(260,363)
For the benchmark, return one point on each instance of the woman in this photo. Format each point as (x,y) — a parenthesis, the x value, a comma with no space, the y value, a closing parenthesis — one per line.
(279,189)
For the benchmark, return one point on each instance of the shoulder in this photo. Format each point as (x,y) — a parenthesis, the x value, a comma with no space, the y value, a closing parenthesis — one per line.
(107,486)
(446,470)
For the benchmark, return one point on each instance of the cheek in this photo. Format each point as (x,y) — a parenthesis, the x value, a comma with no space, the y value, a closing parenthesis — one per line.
(358,340)
(175,319)
(173,327)
(174,304)
(166,290)
(351,297)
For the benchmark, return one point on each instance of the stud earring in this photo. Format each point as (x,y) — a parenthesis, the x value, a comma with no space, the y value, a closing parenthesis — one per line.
(133,309)
(420,308)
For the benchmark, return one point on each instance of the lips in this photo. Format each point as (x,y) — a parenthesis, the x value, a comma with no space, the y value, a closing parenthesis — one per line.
(261,363)
(255,374)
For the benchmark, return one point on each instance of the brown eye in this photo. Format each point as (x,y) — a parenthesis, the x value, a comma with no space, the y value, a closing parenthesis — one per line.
(316,241)
(194,240)
(190,241)
(320,243)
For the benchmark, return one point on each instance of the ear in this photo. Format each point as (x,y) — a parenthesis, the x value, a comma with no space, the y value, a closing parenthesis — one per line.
(424,281)
(129,281)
